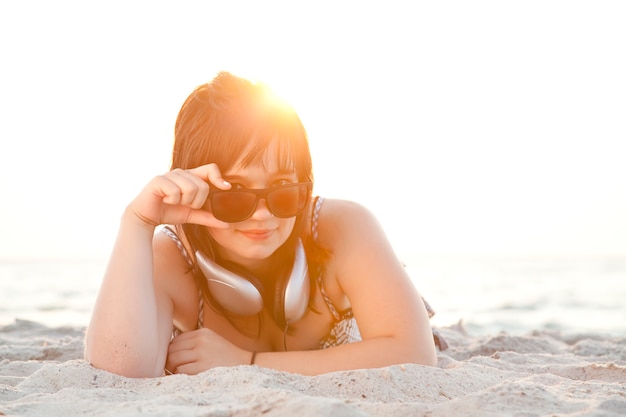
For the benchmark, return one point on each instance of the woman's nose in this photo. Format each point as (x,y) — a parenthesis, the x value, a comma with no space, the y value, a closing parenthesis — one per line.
(262,211)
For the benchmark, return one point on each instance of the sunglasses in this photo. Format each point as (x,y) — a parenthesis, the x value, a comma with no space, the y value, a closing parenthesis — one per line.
(284,201)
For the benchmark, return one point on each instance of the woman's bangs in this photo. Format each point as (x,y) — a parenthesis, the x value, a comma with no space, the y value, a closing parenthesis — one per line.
(286,142)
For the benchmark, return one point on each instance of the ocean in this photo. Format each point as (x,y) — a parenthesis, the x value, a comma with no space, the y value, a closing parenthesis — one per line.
(486,296)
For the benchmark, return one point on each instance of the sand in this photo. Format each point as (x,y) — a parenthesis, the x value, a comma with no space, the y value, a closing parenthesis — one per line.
(42,373)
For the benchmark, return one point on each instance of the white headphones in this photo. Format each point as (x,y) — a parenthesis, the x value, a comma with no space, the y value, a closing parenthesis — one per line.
(242,295)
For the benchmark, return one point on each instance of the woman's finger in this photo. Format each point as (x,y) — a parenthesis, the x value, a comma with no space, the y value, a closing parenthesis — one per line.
(176,362)
(182,191)
(201,192)
(212,173)
(183,341)
(205,218)
(191,189)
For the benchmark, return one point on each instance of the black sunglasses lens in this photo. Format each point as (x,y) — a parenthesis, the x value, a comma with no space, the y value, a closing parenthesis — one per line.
(233,206)
(287,202)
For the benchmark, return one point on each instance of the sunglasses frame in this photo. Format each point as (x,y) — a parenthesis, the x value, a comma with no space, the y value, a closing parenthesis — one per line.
(261,193)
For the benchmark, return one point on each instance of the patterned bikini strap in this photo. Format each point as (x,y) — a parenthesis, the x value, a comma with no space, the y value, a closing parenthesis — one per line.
(320,283)
(314,218)
(172,235)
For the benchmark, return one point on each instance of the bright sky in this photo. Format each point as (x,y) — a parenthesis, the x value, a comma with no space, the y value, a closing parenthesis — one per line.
(483,127)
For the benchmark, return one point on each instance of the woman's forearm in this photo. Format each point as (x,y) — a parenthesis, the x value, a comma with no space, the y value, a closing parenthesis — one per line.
(123,335)
(373,353)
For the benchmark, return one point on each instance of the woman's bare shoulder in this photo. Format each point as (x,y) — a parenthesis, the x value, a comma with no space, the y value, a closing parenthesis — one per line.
(343,219)
(170,265)
(335,210)
(166,246)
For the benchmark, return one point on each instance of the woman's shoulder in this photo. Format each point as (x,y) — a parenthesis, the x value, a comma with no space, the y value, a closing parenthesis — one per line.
(340,219)
(339,210)
(166,240)
(173,277)
(170,253)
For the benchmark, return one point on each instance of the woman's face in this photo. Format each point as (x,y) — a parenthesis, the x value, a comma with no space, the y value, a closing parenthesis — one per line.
(256,238)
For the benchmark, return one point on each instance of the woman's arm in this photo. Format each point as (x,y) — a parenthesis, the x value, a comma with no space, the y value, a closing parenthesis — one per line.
(391,316)
(131,323)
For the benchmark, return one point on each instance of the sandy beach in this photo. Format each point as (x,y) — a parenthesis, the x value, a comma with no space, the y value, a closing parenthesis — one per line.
(42,373)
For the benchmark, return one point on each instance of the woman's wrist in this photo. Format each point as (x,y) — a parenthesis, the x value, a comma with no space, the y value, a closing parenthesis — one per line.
(131,217)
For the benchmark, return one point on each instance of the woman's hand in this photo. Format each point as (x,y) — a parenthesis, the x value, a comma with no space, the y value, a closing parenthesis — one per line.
(199,350)
(178,196)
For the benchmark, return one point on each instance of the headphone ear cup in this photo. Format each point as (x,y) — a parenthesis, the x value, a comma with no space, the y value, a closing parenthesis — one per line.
(295,292)
(239,295)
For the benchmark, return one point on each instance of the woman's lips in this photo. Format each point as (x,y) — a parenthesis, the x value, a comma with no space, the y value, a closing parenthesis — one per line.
(257,234)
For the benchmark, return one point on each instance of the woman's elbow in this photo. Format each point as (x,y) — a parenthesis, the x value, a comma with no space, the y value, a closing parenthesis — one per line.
(121,364)
(122,369)
(425,354)
(429,360)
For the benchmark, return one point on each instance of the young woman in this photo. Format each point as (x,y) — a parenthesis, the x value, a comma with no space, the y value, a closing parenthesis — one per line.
(227,259)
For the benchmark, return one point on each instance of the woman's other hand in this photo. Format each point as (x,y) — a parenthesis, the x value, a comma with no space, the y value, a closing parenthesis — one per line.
(199,350)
